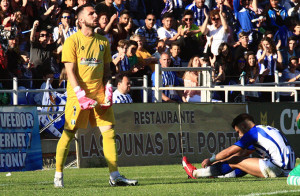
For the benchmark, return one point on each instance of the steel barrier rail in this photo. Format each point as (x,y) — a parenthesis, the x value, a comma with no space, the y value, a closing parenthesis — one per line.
(208,87)
(227,88)
(15,90)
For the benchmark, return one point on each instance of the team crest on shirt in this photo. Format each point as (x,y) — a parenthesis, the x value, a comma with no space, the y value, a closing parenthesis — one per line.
(101,47)
(82,47)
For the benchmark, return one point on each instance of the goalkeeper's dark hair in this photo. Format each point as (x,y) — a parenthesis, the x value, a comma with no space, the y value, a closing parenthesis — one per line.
(241,118)
(81,8)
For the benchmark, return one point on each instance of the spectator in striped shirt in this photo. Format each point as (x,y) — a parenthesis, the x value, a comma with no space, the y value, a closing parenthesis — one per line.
(198,8)
(121,94)
(120,60)
(149,33)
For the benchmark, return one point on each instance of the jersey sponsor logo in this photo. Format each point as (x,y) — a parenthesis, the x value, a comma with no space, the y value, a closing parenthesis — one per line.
(90,61)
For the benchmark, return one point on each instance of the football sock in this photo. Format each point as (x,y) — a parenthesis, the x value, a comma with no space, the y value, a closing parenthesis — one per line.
(298,123)
(239,173)
(62,149)
(217,169)
(110,150)
(293,180)
(58,174)
(114,175)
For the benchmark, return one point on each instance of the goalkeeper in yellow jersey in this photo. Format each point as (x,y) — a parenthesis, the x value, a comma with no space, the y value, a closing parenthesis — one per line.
(87,59)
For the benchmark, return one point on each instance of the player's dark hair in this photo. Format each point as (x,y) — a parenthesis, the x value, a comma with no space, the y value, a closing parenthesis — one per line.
(119,77)
(81,8)
(241,118)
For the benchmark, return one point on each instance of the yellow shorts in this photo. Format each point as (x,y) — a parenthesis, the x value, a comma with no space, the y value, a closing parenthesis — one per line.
(75,118)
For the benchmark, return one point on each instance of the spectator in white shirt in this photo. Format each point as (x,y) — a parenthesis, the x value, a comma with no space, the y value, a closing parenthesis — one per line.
(165,32)
(121,94)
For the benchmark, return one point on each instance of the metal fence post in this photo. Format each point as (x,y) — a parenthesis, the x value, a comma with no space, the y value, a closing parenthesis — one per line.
(243,75)
(158,83)
(209,84)
(205,84)
(145,88)
(276,75)
(15,93)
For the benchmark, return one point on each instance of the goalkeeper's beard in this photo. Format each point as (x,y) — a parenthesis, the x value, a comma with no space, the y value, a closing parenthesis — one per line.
(90,25)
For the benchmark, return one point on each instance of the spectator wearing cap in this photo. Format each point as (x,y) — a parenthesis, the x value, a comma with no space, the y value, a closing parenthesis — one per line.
(198,7)
(149,33)
(121,94)
(166,32)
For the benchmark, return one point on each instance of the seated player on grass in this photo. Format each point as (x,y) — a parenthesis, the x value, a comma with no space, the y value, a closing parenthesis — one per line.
(277,156)
(294,175)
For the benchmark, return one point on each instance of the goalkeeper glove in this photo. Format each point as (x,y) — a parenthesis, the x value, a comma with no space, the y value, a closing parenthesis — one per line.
(108,97)
(84,102)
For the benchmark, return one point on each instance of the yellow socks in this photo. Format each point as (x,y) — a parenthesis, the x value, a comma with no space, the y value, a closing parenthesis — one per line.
(109,149)
(62,149)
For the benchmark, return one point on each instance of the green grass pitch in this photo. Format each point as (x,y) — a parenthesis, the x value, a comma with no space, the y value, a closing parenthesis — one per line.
(153,180)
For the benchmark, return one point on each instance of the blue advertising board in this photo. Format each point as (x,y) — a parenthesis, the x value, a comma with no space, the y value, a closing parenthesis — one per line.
(20,144)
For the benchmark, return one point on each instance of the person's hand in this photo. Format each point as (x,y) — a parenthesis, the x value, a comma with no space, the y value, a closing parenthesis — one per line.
(205,13)
(6,20)
(251,80)
(221,10)
(205,163)
(278,45)
(113,17)
(85,102)
(108,97)
(36,24)
(24,3)
(60,28)
(212,60)
(121,56)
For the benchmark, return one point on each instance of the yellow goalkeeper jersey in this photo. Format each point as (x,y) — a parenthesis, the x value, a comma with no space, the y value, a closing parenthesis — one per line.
(89,54)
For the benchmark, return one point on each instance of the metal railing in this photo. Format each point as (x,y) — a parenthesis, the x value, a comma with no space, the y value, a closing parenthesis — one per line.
(15,91)
(208,87)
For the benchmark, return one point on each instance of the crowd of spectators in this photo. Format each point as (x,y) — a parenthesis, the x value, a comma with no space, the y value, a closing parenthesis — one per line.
(250,37)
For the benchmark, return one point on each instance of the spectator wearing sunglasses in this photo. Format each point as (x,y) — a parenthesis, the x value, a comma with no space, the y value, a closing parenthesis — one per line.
(41,52)
(65,26)
(149,33)
(217,32)
(190,35)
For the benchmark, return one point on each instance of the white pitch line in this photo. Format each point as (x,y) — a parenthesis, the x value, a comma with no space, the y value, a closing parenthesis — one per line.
(273,193)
